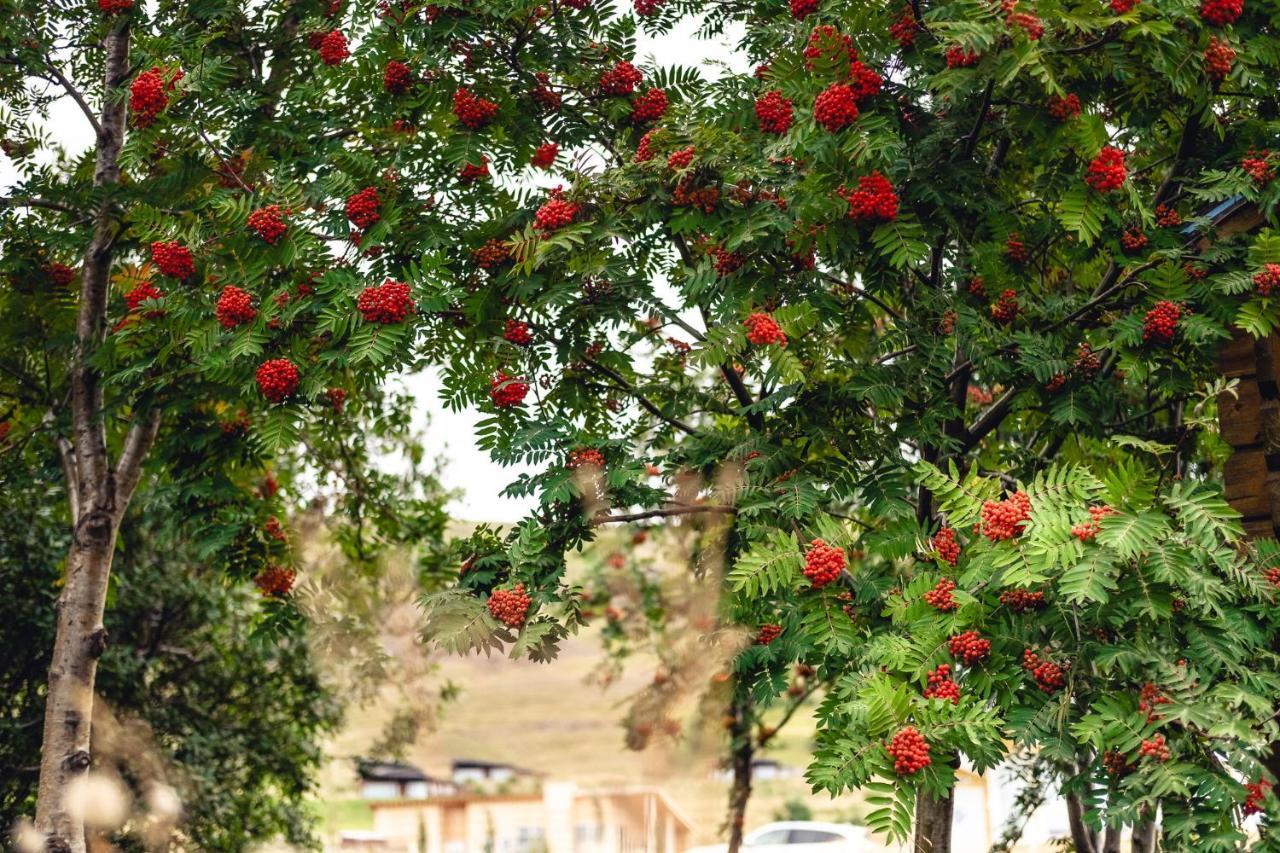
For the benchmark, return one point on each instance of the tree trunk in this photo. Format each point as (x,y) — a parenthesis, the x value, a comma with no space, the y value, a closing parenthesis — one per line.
(933,823)
(743,753)
(97,495)
(1145,835)
(1111,841)
(1084,839)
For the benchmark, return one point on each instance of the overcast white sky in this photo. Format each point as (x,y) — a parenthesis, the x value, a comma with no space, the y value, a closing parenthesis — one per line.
(468,470)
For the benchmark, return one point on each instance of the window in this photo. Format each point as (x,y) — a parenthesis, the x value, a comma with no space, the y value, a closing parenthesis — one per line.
(775,836)
(813,836)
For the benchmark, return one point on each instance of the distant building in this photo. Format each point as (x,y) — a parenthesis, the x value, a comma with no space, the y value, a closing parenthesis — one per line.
(561,818)
(394,780)
(470,771)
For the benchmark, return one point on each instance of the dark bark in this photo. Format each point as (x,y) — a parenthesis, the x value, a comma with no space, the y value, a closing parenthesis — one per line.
(743,753)
(933,823)
(1145,835)
(1084,839)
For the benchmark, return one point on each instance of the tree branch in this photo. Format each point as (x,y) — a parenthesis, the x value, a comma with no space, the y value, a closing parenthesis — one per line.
(76,96)
(138,442)
(662,512)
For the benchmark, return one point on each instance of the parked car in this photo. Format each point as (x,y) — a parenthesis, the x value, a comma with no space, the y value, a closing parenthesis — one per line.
(801,836)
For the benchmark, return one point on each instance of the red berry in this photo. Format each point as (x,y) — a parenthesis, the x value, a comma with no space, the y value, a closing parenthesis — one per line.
(173,260)
(554,215)
(144,292)
(1015,249)
(385,303)
(1064,108)
(645,8)
(1150,699)
(904,29)
(1107,171)
(1005,519)
(149,95)
(494,253)
(517,332)
(507,391)
(649,107)
(969,647)
(397,77)
(275,581)
(1155,748)
(681,159)
(1161,323)
(801,9)
(1048,675)
(545,155)
(113,7)
(275,530)
(763,330)
(509,606)
(277,379)
(768,633)
(363,208)
(1221,12)
(1123,7)
(60,275)
(1258,166)
(961,57)
(472,111)
(1218,59)
(726,262)
(945,546)
(941,686)
(940,598)
(235,307)
(585,456)
(543,95)
(1088,531)
(909,751)
(1167,217)
(836,107)
(874,200)
(823,563)
(269,223)
(1267,278)
(774,112)
(621,79)
(644,149)
(333,48)
(472,172)
(1022,600)
(1005,309)
(1257,792)
(825,43)
(337,399)
(1133,240)
(1028,23)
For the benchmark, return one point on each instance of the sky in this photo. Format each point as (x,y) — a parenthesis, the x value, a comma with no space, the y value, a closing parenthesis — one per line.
(448,435)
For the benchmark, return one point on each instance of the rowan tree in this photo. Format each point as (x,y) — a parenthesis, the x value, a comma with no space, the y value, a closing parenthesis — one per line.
(917,324)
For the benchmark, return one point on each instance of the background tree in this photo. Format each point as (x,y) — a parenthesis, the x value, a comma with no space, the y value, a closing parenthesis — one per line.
(928,268)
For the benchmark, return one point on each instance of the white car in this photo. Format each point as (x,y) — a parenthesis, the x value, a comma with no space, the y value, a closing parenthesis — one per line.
(800,836)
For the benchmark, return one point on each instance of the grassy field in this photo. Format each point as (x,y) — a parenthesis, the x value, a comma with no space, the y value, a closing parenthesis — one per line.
(555,719)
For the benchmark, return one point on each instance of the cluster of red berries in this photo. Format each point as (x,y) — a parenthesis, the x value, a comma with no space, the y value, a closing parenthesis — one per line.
(688,194)
(1273,576)
(969,647)
(544,156)
(173,260)
(681,159)
(874,200)
(59,274)
(268,222)
(509,606)
(337,399)
(1161,322)
(1088,531)
(644,148)
(546,98)
(823,563)
(554,215)
(275,530)
(1064,108)
(277,379)
(333,48)
(1107,172)
(114,7)
(472,172)
(1056,383)
(1022,600)
(144,292)
(1257,165)
(645,8)
(1256,793)
(1087,360)
(941,686)
(492,254)
(1116,764)
(1005,519)
(1048,676)
(774,112)
(1218,59)
(1150,699)
(1027,22)
(726,262)
(385,303)
(836,107)
(944,544)
(275,581)
(397,77)
(1167,217)
(587,456)
(801,9)
(149,95)
(825,41)
(649,107)
(904,29)
(1155,748)
(1133,240)
(768,633)
(621,79)
(1005,308)
(517,332)
(940,598)
(1015,250)
(1123,7)
(473,111)
(363,208)
(507,391)
(959,56)
(909,751)
(978,395)
(763,330)
(1221,12)
(235,307)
